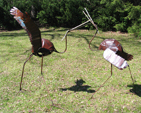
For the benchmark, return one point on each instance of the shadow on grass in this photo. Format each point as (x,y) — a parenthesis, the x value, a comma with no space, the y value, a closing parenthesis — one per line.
(136,89)
(79,87)
(48,33)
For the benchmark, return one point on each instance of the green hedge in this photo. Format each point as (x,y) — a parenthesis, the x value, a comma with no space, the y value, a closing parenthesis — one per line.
(117,15)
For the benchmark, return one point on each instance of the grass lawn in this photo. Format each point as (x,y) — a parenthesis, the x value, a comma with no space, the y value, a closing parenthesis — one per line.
(70,78)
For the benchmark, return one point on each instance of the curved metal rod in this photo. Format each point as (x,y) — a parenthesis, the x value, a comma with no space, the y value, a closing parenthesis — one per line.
(91,41)
(70,31)
(65,43)
(89,18)
(23,70)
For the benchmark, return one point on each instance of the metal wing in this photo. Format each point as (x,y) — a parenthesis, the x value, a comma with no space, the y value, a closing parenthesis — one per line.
(28,24)
(115,59)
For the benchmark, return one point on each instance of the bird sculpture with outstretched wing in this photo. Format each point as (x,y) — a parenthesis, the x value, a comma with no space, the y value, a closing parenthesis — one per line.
(40,47)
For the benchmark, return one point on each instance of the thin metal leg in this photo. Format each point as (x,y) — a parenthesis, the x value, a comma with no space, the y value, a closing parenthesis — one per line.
(23,71)
(131,75)
(42,66)
(102,84)
(42,73)
(111,69)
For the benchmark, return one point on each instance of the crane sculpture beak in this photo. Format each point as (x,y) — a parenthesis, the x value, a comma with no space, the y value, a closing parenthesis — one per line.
(89,20)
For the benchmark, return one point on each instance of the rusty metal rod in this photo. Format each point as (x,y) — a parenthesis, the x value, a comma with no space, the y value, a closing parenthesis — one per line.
(89,20)
(75,28)
(131,75)
(42,65)
(23,70)
(89,17)
(79,25)
(102,84)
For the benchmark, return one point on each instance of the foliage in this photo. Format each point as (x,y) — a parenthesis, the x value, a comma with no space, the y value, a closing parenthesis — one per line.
(115,15)
(109,13)
(135,16)
(61,12)
(6,20)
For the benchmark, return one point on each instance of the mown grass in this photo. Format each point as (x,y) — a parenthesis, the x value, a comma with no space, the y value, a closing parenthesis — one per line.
(61,93)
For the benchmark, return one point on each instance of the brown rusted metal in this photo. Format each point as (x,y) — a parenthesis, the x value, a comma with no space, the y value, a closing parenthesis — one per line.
(34,35)
(115,46)
(40,47)
(110,43)
(42,66)
(23,70)
(131,75)
(28,24)
(91,41)
(113,52)
(48,47)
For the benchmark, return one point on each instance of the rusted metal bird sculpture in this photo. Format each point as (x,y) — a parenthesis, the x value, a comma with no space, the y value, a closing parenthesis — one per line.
(40,47)
(114,53)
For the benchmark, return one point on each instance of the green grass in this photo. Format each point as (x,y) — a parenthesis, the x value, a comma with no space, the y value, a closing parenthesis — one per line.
(59,93)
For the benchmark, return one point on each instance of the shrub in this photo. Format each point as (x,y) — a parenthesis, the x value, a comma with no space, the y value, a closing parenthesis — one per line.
(135,18)
(117,15)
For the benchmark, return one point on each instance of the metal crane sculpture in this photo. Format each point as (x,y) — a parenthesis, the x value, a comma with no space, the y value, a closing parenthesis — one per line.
(40,47)
(113,53)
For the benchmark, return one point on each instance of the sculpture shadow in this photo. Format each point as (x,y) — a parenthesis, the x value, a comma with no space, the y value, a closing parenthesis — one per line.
(79,87)
(136,89)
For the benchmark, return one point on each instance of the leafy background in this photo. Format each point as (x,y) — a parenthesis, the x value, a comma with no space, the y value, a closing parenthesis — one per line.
(113,15)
